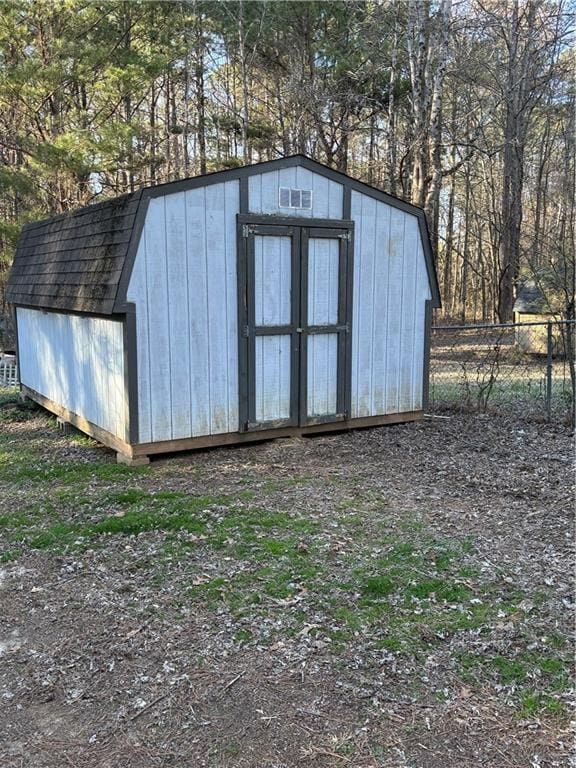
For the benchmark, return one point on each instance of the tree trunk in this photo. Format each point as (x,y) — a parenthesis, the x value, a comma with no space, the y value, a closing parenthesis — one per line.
(432,201)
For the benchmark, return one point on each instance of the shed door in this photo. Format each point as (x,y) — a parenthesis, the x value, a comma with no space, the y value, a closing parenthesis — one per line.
(295,315)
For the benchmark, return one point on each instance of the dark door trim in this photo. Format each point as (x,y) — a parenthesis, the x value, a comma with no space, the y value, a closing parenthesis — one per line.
(294,221)
(248,330)
(299,229)
(343,326)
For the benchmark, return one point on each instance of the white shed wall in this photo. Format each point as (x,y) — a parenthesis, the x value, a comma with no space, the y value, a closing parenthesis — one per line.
(327,195)
(76,361)
(184,287)
(388,329)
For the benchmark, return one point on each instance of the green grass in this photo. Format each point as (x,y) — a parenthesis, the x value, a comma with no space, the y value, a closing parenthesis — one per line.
(19,466)
(164,511)
(521,673)
(377,586)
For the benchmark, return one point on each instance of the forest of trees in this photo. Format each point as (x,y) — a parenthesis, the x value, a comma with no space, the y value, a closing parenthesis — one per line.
(466,108)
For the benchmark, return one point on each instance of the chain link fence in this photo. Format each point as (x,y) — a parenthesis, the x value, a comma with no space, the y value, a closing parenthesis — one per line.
(525,368)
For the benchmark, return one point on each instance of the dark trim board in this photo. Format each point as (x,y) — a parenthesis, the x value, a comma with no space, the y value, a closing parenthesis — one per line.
(79,313)
(102,435)
(245,171)
(15,322)
(121,299)
(427,340)
(131,373)
(237,438)
(277,220)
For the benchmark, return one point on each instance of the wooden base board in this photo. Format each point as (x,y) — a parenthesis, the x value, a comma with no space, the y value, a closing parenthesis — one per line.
(238,438)
(132,461)
(64,415)
(136,455)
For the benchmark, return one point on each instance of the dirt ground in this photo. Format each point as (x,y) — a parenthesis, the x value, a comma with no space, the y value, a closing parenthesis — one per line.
(396,597)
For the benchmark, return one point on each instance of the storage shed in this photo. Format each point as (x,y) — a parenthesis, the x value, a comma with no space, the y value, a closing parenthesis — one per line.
(534,310)
(270,300)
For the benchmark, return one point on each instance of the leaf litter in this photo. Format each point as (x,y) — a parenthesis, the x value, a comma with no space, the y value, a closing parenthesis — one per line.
(391,597)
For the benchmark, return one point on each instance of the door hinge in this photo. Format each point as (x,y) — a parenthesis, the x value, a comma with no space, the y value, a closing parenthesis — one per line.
(247,230)
(245,331)
(347,235)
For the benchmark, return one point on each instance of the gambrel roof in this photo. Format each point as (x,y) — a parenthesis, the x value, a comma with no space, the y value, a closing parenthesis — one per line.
(80,261)
(74,261)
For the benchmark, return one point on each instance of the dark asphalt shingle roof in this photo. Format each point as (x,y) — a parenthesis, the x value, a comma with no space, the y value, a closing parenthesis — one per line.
(74,261)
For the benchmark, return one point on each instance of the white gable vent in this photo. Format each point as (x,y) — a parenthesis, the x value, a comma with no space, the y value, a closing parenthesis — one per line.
(295,198)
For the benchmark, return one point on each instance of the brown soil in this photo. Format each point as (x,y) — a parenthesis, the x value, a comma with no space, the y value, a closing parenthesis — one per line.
(104,662)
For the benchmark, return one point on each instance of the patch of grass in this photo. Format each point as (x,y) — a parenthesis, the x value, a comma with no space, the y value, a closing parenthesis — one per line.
(556,640)
(532,703)
(275,546)
(162,512)
(401,552)
(13,409)
(469,572)
(391,643)
(553,674)
(72,497)
(243,636)
(24,465)
(10,555)
(19,519)
(139,522)
(129,496)
(508,670)
(378,586)
(78,438)
(352,619)
(281,585)
(271,486)
(54,536)
(441,589)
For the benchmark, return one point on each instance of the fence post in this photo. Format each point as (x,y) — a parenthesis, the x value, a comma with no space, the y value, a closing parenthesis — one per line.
(549,341)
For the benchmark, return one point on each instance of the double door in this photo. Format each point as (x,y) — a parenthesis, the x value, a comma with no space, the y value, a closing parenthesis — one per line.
(295,285)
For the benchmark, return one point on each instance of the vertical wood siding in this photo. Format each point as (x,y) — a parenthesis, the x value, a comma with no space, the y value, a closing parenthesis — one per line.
(327,195)
(322,374)
(390,290)
(273,278)
(184,287)
(272,377)
(323,263)
(77,362)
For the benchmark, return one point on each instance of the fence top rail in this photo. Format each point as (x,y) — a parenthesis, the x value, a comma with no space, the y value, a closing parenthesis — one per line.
(500,325)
